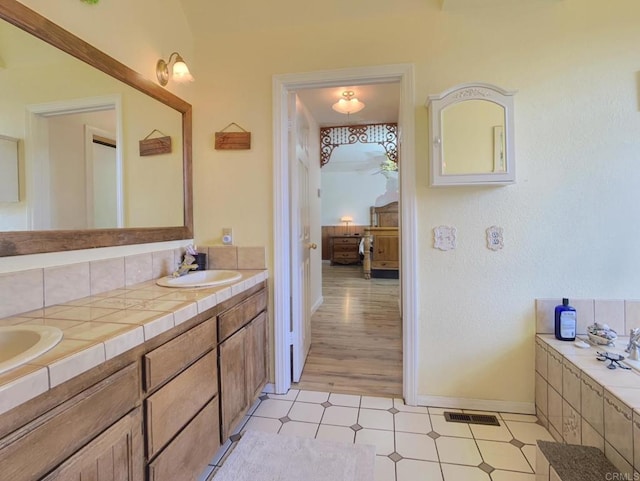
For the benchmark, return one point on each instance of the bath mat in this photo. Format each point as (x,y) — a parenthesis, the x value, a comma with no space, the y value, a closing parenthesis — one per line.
(274,457)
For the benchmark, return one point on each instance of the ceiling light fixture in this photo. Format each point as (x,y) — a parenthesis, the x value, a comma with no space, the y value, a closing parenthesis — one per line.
(348,104)
(180,71)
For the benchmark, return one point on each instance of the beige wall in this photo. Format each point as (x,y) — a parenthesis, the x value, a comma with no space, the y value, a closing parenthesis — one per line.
(571,222)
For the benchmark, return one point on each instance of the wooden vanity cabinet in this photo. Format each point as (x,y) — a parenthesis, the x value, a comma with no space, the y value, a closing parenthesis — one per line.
(242,359)
(65,437)
(181,409)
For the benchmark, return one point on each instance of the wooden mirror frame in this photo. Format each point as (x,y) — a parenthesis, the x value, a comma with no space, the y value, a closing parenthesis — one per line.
(33,242)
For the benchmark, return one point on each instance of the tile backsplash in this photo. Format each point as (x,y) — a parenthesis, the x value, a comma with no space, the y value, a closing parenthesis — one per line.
(621,315)
(33,289)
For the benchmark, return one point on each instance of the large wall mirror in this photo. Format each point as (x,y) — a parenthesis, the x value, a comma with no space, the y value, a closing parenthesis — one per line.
(78,116)
(472,136)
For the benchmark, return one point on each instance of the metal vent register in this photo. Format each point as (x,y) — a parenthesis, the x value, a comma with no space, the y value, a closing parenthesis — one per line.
(486,419)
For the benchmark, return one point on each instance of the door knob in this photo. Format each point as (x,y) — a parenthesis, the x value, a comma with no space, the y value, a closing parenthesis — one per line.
(312,245)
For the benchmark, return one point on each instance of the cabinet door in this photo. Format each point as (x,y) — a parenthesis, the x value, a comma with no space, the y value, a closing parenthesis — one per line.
(115,455)
(256,352)
(233,388)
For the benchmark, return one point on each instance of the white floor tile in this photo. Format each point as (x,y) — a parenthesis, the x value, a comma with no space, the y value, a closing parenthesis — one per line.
(290,396)
(340,434)
(401,406)
(463,473)
(412,422)
(529,452)
(491,433)
(526,418)
(376,402)
(303,430)
(503,456)
(375,419)
(349,400)
(441,411)
(273,408)
(444,428)
(412,470)
(511,476)
(385,469)
(340,416)
(313,397)
(416,446)
(307,412)
(266,425)
(528,433)
(458,451)
(382,440)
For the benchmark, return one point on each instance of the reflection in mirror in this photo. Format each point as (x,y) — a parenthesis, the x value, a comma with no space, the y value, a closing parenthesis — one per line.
(69,182)
(472,136)
(56,92)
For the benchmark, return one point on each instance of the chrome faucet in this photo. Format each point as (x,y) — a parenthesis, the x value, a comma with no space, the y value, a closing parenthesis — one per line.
(633,348)
(188,264)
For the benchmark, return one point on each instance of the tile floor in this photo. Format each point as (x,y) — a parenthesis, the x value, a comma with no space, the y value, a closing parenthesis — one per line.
(412,443)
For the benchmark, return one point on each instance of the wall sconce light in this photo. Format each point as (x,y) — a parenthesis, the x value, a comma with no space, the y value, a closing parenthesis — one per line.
(346,219)
(180,71)
(348,104)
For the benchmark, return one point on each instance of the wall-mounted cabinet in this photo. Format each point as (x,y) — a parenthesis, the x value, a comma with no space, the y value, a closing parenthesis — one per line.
(471,136)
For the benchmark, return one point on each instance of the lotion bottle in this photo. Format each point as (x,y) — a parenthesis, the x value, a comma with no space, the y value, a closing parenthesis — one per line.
(565,325)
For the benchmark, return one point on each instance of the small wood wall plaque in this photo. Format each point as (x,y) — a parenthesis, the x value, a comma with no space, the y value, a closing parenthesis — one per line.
(155,146)
(233,140)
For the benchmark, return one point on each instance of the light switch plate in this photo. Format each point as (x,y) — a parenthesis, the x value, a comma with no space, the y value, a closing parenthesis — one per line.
(227,236)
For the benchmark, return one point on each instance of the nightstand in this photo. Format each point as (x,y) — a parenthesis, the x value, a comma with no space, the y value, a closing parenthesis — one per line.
(344,249)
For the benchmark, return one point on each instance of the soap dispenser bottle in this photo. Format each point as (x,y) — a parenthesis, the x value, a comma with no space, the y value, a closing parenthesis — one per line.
(565,321)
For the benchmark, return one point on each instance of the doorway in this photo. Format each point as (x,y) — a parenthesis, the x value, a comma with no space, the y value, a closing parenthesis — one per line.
(284,86)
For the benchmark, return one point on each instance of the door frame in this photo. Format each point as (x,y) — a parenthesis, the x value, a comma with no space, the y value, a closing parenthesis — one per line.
(281,87)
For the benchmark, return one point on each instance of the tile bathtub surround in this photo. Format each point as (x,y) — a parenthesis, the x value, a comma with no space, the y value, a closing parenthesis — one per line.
(594,406)
(620,315)
(100,327)
(412,443)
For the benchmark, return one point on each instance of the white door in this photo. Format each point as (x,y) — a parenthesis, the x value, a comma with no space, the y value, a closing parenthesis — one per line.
(300,238)
(101,179)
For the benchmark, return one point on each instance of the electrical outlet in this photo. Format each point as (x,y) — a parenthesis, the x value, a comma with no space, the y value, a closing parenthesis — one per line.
(227,236)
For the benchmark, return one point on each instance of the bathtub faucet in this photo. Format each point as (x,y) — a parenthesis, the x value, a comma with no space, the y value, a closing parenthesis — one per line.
(634,344)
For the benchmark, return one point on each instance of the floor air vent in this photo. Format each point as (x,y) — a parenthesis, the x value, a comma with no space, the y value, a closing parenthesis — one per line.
(486,419)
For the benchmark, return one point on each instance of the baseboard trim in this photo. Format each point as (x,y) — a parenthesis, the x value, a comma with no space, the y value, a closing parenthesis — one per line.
(317,305)
(477,404)
(269,388)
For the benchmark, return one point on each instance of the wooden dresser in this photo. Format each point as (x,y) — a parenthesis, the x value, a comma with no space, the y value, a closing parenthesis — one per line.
(344,249)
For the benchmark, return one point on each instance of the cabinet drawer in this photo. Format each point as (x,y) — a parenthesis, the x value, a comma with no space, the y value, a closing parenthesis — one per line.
(345,255)
(189,453)
(172,406)
(385,264)
(35,449)
(167,360)
(346,240)
(236,317)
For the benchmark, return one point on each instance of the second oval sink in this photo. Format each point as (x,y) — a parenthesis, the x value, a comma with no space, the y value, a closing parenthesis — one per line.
(208,278)
(21,344)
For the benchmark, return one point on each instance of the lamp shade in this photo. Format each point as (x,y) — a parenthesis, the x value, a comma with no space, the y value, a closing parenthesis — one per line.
(181,71)
(346,218)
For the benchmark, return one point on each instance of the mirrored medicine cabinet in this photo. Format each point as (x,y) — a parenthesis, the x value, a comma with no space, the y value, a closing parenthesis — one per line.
(471,127)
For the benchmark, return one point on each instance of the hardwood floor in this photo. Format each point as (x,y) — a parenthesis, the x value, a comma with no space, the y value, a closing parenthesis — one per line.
(356,336)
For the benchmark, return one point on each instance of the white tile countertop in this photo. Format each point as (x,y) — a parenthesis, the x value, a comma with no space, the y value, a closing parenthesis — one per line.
(100,327)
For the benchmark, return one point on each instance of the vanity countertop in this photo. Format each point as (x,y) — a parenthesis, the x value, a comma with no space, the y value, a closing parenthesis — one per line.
(98,328)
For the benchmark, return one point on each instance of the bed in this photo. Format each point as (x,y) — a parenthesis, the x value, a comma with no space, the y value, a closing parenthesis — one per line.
(380,243)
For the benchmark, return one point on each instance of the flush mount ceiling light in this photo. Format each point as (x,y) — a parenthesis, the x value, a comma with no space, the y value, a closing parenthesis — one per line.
(348,104)
(180,71)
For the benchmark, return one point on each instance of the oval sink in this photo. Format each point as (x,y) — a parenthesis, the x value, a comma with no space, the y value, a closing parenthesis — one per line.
(21,344)
(201,279)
